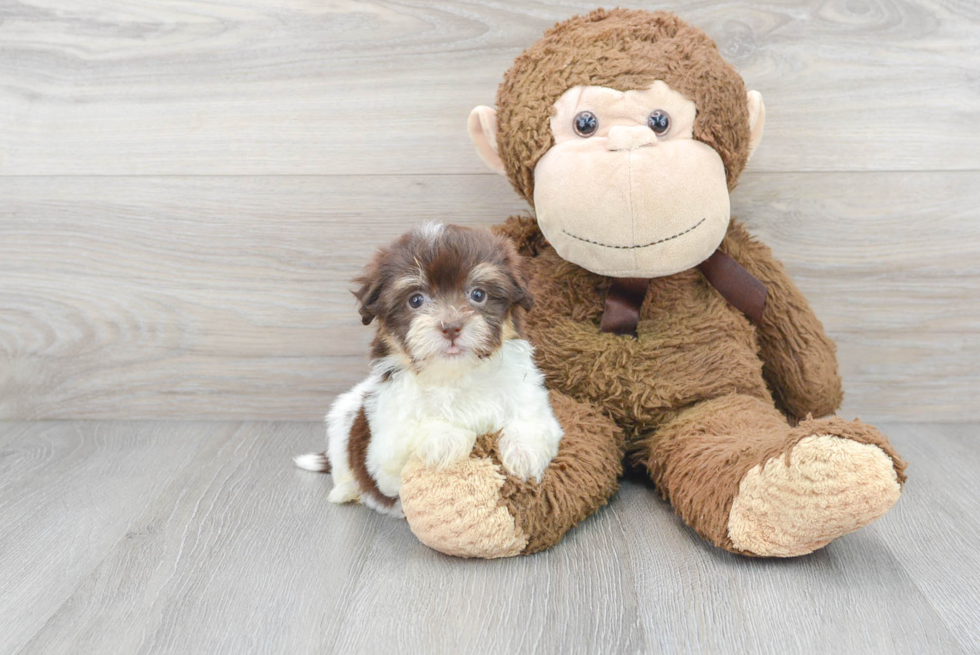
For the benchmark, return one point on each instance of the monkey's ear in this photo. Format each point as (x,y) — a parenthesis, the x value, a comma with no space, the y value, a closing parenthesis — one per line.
(482,126)
(757,119)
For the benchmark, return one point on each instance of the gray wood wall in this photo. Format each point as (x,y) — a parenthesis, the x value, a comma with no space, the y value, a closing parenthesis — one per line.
(187,187)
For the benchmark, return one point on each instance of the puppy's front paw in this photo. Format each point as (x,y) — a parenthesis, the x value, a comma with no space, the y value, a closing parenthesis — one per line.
(524,460)
(441,446)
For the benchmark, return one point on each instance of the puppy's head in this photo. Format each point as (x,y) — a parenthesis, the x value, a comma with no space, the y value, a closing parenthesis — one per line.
(444,294)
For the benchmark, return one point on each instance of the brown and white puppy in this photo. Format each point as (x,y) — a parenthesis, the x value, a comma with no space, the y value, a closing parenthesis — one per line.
(449,363)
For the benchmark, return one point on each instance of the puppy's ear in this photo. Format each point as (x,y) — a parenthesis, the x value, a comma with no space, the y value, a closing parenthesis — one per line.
(370,285)
(517,271)
(524,298)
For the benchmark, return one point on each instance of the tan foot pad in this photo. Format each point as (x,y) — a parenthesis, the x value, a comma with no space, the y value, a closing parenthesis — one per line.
(457,510)
(831,486)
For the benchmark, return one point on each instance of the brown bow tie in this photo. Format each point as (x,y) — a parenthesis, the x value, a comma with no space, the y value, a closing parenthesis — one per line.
(623,302)
(736,285)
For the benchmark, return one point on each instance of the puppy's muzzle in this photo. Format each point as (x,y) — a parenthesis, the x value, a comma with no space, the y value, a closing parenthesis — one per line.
(451,330)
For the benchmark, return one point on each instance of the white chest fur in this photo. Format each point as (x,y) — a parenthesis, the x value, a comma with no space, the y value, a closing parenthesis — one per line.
(439,416)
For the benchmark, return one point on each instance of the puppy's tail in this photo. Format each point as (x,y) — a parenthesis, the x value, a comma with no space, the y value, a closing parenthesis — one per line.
(316,462)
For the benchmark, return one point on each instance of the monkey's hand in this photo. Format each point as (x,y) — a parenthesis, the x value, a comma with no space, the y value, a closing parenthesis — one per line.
(800,362)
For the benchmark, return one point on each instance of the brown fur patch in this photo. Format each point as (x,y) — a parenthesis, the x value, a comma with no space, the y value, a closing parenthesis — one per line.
(691,344)
(357,447)
(524,233)
(379,347)
(799,360)
(581,478)
(620,49)
(691,392)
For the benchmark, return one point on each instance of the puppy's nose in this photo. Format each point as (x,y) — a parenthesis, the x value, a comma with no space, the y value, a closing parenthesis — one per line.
(630,138)
(450,330)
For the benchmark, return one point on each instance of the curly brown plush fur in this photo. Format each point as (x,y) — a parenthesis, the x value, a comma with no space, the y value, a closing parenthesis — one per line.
(691,391)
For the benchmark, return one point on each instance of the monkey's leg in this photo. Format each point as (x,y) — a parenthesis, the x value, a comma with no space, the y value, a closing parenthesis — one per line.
(744,479)
(475,509)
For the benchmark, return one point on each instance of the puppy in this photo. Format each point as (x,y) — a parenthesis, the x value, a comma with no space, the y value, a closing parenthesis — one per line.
(449,363)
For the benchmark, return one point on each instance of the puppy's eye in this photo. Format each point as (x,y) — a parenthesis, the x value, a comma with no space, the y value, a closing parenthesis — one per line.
(658,121)
(478,295)
(416,301)
(585,123)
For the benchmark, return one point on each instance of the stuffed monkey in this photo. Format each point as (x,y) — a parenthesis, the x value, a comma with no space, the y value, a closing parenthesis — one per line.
(671,339)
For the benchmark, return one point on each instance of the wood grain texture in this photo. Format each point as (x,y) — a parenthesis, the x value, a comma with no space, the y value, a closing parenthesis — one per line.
(262,87)
(937,520)
(198,297)
(68,492)
(227,297)
(240,552)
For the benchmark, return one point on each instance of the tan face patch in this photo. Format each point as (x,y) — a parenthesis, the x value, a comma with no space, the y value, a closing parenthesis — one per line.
(511,330)
(414,280)
(624,200)
(619,109)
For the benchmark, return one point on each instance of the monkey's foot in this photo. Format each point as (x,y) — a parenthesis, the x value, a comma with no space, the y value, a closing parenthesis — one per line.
(824,487)
(474,508)
(457,510)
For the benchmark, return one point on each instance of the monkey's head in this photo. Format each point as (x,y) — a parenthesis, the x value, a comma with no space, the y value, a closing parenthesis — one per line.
(625,130)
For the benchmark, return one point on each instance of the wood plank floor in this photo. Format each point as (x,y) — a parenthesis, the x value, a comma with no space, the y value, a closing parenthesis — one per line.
(183,537)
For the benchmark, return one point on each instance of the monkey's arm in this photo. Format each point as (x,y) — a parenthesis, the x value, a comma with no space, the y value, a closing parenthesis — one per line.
(800,364)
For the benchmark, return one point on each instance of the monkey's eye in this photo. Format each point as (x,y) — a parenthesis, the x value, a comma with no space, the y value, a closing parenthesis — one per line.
(416,301)
(585,123)
(659,122)
(478,295)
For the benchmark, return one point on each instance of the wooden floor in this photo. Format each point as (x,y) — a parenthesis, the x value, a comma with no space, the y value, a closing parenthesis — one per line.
(140,537)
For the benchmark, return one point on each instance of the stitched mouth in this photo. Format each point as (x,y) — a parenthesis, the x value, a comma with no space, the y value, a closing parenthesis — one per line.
(645,245)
